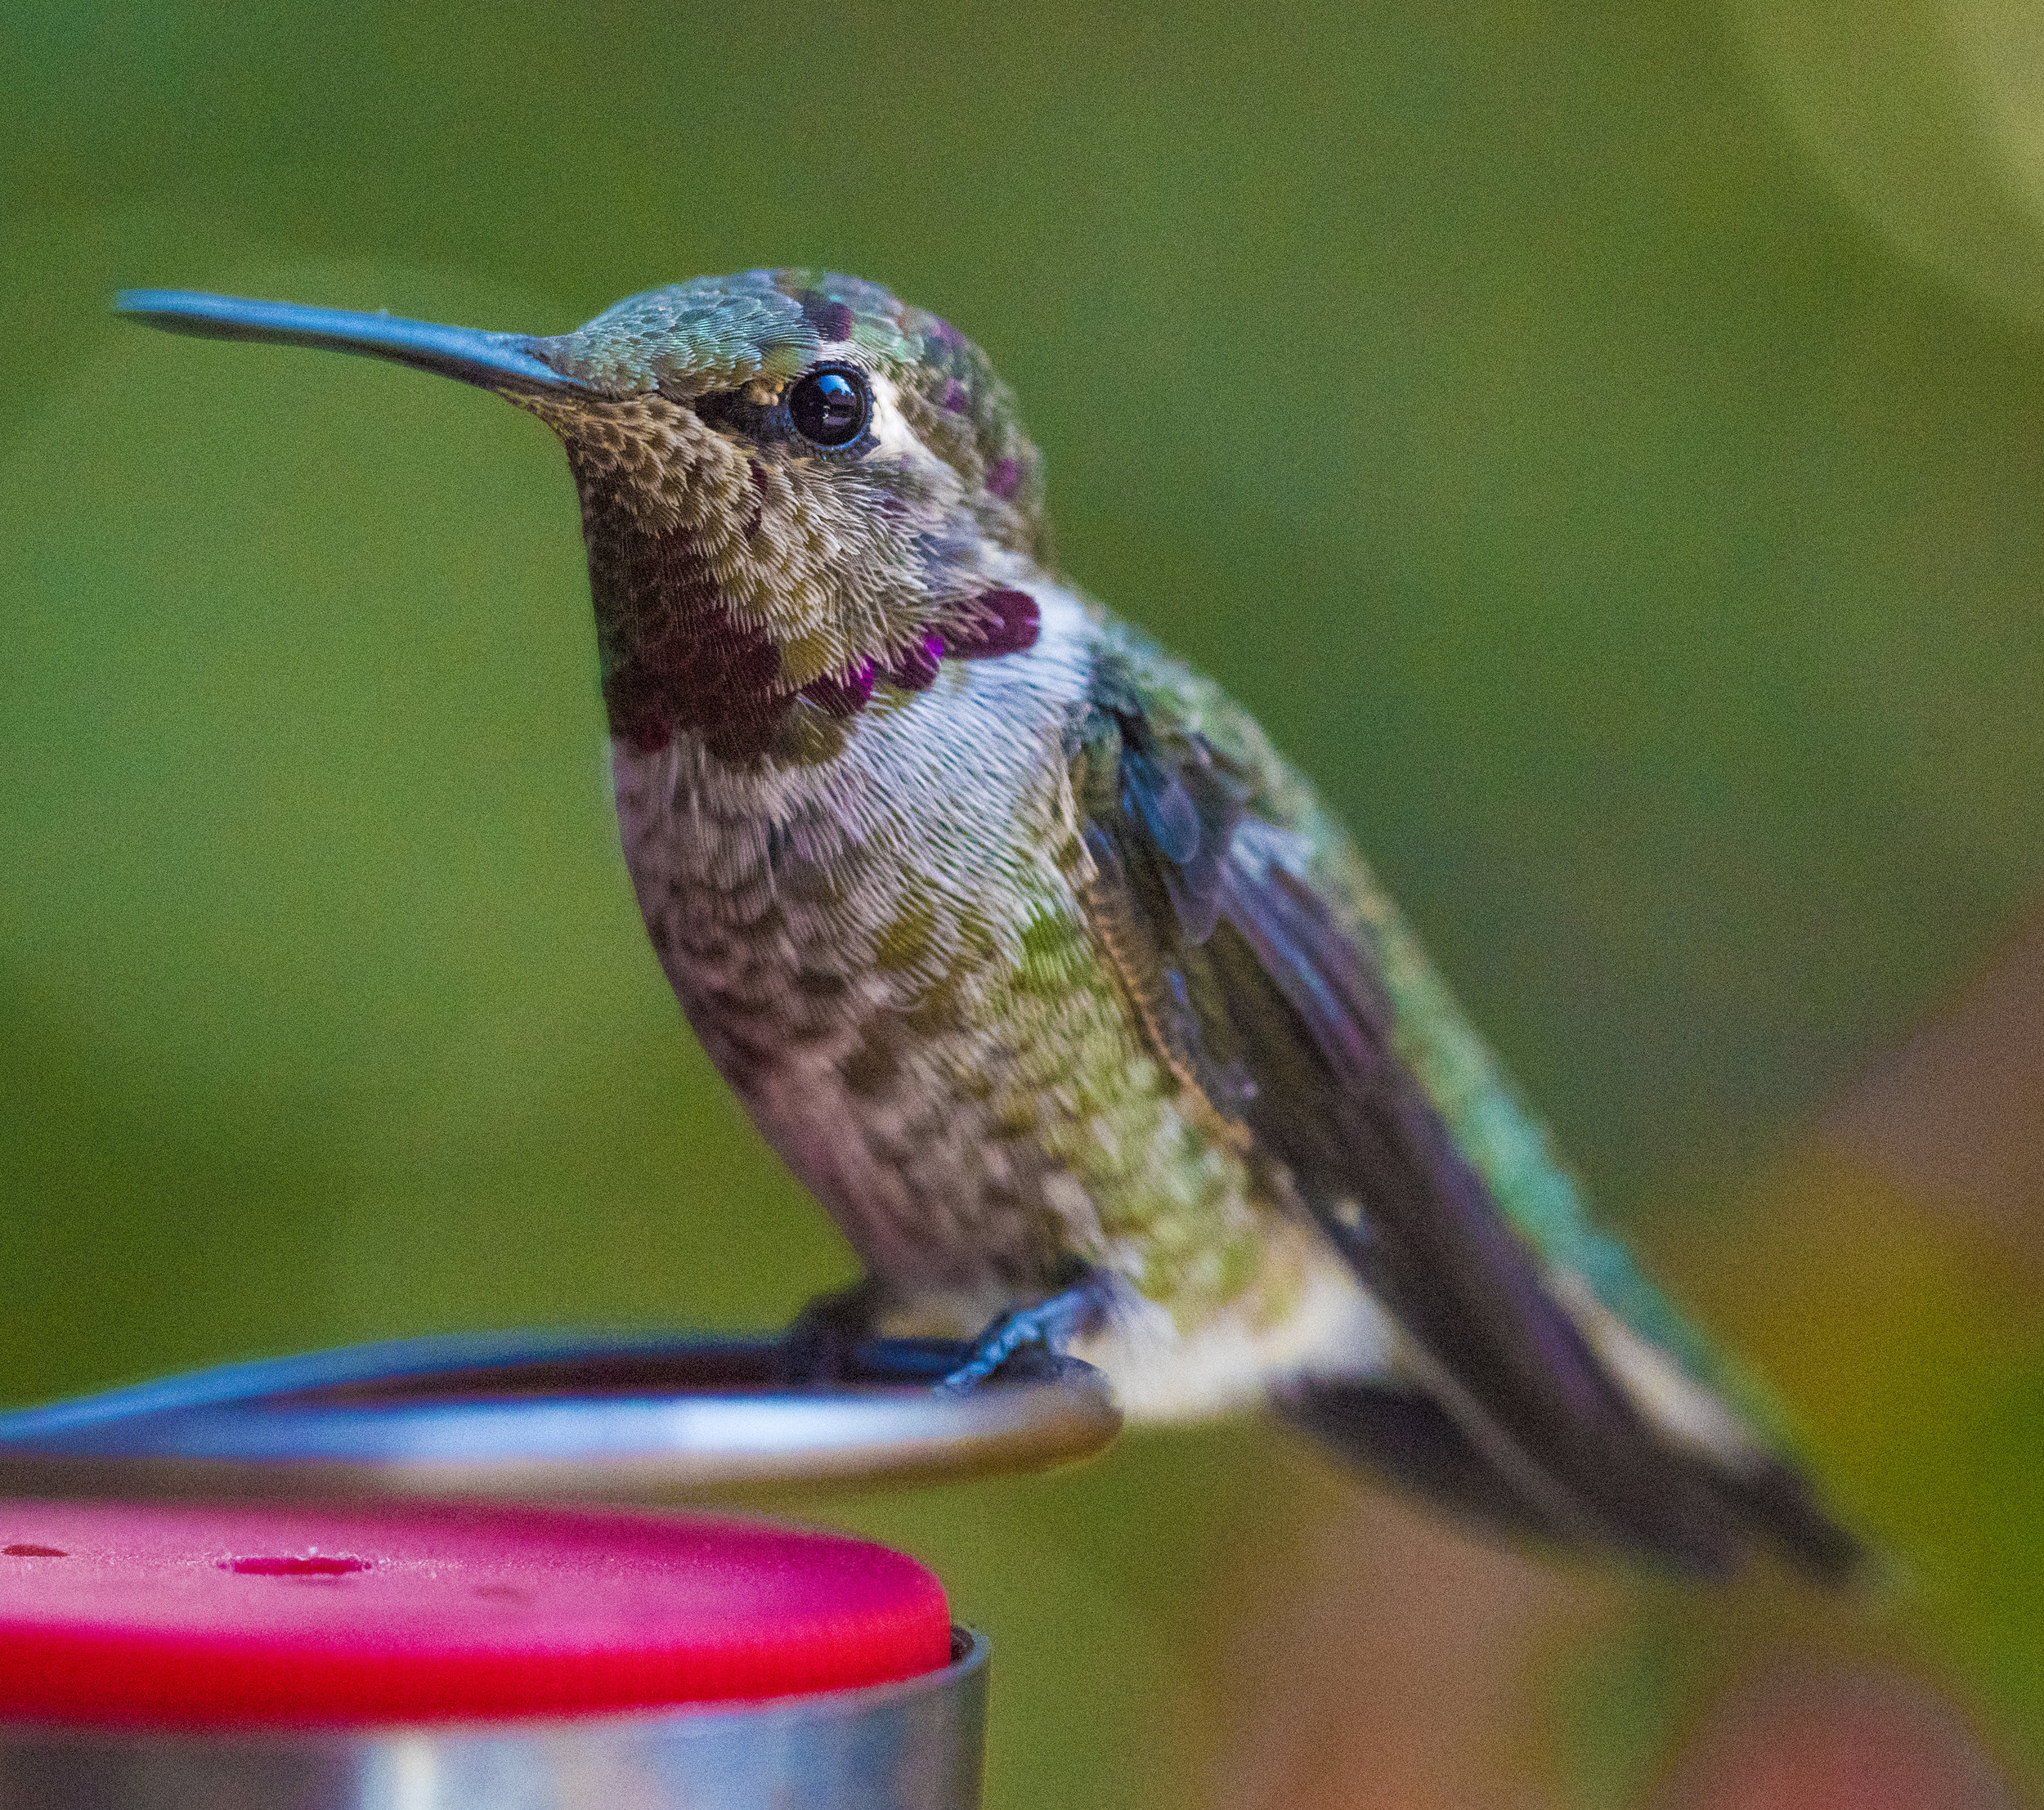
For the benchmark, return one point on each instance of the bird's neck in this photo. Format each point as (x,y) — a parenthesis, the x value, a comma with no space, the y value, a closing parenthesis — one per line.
(682,655)
(677,660)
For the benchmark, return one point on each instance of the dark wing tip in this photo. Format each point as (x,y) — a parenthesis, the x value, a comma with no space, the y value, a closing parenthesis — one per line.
(1778,1501)
(1404,1438)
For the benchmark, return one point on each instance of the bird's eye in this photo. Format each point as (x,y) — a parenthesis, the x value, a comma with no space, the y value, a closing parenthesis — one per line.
(831,405)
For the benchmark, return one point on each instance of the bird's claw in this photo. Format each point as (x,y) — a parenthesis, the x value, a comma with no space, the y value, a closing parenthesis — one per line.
(822,1343)
(1047,1327)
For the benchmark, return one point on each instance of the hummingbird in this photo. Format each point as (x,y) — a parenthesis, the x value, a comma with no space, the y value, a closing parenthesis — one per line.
(1041,968)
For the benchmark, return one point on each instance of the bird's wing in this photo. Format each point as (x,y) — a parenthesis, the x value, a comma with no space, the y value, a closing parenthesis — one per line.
(1262,989)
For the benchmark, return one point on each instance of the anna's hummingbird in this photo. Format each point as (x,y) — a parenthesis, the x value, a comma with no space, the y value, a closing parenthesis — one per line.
(1037,964)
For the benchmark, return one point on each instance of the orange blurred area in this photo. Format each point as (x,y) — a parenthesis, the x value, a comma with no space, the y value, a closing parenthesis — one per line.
(1420,1709)
(1845,1742)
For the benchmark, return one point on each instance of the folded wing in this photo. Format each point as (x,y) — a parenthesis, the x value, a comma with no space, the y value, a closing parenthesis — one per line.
(1257,993)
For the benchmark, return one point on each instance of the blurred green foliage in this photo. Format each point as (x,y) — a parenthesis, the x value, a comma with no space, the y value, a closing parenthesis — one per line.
(1644,559)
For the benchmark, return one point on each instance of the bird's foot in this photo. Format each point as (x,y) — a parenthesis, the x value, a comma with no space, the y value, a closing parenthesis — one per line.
(1047,1328)
(822,1343)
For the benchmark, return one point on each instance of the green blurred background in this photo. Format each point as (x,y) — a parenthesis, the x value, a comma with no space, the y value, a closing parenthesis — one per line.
(1601,443)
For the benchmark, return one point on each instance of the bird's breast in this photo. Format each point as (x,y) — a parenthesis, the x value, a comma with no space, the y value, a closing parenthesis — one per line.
(844,934)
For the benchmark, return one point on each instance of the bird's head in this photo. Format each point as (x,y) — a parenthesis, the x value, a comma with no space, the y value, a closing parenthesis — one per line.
(801,495)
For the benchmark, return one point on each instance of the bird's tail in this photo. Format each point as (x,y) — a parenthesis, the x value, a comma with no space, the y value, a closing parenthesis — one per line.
(1404,1437)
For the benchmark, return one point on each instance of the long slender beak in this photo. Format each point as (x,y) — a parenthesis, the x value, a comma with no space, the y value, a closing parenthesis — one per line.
(494,361)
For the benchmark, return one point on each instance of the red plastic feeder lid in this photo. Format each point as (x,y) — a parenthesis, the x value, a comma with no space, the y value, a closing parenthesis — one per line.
(177,1616)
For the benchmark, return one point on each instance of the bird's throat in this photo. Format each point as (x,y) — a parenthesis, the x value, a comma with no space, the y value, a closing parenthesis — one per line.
(675,659)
